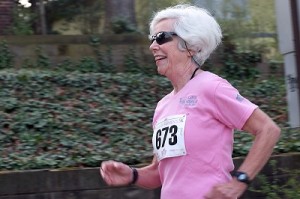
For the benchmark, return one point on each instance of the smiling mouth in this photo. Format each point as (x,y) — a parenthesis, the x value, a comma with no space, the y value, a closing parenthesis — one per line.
(159,58)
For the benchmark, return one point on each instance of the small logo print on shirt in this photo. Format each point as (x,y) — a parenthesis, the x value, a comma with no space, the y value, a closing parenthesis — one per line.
(189,101)
(239,98)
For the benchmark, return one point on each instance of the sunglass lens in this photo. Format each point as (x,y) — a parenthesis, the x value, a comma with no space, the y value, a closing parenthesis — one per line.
(161,38)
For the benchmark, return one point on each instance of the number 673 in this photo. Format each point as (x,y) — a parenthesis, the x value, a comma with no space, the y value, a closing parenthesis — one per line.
(162,134)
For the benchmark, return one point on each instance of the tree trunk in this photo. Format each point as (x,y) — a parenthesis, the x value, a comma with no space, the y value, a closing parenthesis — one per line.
(33,9)
(119,10)
(42,16)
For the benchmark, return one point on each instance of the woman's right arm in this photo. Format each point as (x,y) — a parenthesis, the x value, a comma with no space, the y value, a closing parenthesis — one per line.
(119,174)
(149,176)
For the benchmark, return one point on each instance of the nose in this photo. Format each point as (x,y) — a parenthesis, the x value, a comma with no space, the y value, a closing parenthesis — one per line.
(154,46)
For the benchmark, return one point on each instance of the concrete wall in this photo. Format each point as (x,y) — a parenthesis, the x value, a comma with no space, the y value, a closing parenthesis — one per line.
(64,184)
(61,47)
(86,183)
(75,47)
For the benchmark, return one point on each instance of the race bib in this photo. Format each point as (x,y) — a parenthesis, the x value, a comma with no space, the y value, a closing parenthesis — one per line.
(168,137)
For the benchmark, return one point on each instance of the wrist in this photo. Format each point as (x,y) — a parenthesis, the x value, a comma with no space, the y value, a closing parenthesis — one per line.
(135,176)
(242,177)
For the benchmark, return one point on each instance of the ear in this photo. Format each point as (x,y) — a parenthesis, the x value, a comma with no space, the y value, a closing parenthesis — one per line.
(190,52)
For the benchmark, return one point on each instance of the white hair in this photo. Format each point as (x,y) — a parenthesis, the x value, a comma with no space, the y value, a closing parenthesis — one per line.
(196,26)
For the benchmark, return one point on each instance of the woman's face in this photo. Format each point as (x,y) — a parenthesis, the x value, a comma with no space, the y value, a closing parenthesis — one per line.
(168,58)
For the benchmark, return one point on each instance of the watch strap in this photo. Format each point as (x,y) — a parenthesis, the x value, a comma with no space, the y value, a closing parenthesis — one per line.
(135,175)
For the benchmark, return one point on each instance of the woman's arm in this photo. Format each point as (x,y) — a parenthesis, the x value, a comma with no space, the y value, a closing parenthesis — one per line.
(266,134)
(149,176)
(119,174)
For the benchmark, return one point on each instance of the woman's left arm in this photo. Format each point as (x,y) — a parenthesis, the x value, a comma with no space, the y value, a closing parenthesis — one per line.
(266,133)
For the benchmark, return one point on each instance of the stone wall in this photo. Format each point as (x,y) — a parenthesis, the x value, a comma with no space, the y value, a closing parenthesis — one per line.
(86,183)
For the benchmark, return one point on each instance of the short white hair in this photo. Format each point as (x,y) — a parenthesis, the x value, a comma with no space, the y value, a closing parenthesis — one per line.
(196,26)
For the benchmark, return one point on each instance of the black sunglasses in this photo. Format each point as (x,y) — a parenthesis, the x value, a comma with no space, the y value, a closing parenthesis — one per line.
(162,37)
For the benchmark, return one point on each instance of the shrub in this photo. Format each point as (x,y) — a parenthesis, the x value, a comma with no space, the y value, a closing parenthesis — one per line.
(58,119)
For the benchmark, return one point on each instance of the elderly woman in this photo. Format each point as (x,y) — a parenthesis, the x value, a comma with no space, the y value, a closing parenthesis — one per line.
(194,124)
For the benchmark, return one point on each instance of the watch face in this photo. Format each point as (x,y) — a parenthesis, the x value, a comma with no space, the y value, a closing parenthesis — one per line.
(242,177)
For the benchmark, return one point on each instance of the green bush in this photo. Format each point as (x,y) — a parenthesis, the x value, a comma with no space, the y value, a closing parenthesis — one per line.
(284,184)
(6,57)
(68,119)
(54,119)
(64,120)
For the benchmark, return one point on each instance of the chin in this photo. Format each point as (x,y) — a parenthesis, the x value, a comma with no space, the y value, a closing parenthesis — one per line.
(162,68)
(160,71)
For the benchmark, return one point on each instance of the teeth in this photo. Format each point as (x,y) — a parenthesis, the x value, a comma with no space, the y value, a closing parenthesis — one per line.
(159,58)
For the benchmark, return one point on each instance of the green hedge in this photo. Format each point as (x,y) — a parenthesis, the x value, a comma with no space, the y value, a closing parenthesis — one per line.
(56,120)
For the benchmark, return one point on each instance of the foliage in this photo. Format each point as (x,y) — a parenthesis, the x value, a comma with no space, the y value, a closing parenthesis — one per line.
(121,25)
(248,31)
(269,95)
(145,10)
(239,64)
(6,57)
(90,17)
(63,9)
(262,10)
(51,120)
(276,188)
(103,60)
(57,119)
(87,15)
(68,119)
(131,64)
(22,20)
(42,59)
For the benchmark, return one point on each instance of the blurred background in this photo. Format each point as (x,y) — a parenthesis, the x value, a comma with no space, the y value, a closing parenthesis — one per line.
(248,26)
(79,84)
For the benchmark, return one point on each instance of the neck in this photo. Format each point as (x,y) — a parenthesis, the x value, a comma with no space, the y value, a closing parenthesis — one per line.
(179,83)
(194,73)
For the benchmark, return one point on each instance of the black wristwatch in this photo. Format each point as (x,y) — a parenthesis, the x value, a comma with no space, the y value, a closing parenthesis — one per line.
(135,176)
(242,177)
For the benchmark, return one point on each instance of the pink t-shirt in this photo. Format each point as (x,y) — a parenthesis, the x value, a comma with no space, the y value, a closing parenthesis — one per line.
(213,109)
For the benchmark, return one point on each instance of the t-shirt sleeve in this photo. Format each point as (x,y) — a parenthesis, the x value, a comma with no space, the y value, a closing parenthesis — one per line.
(232,108)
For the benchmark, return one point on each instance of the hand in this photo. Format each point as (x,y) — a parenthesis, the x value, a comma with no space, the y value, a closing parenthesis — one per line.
(231,190)
(116,173)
